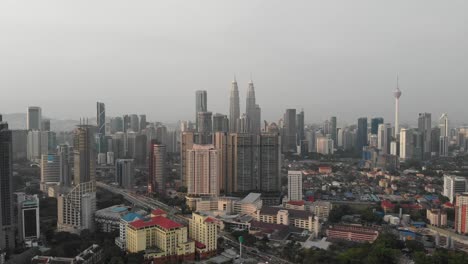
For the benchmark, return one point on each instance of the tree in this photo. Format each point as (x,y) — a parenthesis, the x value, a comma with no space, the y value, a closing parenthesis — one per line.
(338,212)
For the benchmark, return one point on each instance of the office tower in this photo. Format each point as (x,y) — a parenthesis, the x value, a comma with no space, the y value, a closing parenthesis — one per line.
(425,128)
(34,118)
(7,232)
(126,123)
(134,123)
(220,143)
(294,185)
(141,149)
(325,145)
(201,104)
(252,110)
(45,125)
(20,145)
(34,149)
(101,127)
(131,144)
(204,122)
(171,141)
(290,131)
(244,124)
(203,229)
(375,122)
(384,138)
(234,109)
(349,139)
(300,128)
(333,130)
(161,134)
(63,152)
(124,173)
(143,122)
(461,213)
(339,137)
(48,142)
(50,170)
(406,144)
(361,135)
(118,145)
(454,185)
(397,95)
(28,218)
(203,170)
(269,162)
(241,163)
(157,168)
(186,142)
(444,135)
(117,124)
(220,123)
(77,204)
(435,141)
(310,137)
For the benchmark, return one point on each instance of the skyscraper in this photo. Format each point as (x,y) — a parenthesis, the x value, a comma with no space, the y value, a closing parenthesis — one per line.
(300,128)
(201,104)
(124,173)
(76,205)
(290,131)
(234,109)
(384,138)
(205,128)
(203,170)
(220,123)
(34,118)
(220,143)
(252,110)
(142,122)
(375,122)
(28,217)
(444,135)
(65,171)
(333,130)
(361,137)
(425,128)
(295,185)
(50,170)
(134,123)
(461,213)
(406,144)
(397,94)
(269,162)
(101,126)
(186,143)
(7,232)
(157,168)
(241,163)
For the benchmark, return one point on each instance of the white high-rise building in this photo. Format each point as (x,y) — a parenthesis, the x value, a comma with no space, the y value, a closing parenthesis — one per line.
(34,118)
(384,138)
(50,170)
(454,185)
(406,144)
(203,170)
(397,95)
(325,145)
(295,185)
(234,110)
(444,135)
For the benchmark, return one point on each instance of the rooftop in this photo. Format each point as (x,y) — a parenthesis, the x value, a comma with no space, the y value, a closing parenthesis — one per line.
(251,198)
(159,221)
(292,213)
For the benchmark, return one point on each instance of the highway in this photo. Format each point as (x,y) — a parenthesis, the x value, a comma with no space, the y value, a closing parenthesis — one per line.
(145,202)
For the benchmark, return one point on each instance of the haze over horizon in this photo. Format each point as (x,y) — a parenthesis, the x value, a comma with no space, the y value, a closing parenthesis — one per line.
(336,58)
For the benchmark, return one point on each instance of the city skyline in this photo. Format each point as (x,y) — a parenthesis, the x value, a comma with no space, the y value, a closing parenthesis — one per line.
(144,60)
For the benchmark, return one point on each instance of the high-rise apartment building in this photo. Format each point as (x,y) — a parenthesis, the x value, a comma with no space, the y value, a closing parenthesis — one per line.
(333,130)
(242,176)
(63,152)
(384,138)
(220,143)
(186,143)
(234,109)
(454,185)
(157,168)
(269,162)
(294,185)
(7,232)
(325,145)
(124,173)
(77,204)
(406,144)
(220,123)
(461,213)
(34,118)
(375,122)
(203,170)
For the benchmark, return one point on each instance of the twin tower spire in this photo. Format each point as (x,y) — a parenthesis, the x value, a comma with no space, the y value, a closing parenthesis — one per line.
(252,110)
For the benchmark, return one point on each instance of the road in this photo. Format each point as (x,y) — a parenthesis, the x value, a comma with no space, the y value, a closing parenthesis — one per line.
(145,202)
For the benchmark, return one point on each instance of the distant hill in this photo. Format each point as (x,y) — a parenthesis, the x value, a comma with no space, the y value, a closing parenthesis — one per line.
(18,121)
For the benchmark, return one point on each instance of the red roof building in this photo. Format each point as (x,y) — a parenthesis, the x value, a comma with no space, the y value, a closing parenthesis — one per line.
(160,221)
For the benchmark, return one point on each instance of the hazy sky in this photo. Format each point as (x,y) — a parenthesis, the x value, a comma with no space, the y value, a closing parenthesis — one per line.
(329,57)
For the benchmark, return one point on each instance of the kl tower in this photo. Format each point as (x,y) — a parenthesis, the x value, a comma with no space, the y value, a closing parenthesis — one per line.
(397,94)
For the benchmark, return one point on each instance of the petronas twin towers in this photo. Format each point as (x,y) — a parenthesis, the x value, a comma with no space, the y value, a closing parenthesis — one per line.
(251,121)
